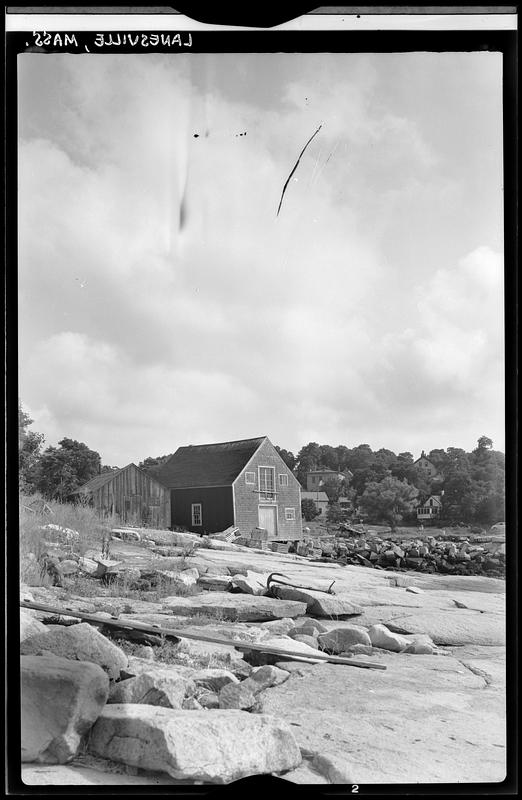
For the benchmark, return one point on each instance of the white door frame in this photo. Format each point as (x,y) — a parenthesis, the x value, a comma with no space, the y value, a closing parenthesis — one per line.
(272,506)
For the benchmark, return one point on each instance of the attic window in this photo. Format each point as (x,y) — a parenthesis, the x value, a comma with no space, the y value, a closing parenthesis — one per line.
(250,477)
(267,483)
(283,479)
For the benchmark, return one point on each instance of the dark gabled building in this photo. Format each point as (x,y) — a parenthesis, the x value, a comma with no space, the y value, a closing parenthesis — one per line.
(244,483)
(130,494)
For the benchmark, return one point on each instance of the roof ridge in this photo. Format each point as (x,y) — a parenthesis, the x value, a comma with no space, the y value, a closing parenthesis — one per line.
(219,444)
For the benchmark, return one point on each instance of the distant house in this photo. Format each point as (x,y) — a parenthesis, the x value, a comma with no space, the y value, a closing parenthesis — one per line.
(316,478)
(430,509)
(131,494)
(345,503)
(244,483)
(427,468)
(319,498)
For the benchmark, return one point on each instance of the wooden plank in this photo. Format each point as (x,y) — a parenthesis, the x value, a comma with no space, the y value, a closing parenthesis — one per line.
(187,634)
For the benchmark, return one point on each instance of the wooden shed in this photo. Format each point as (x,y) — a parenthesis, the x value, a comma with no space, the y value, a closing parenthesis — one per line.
(131,494)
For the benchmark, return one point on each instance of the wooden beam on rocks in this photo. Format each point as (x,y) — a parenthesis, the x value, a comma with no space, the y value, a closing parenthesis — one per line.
(177,633)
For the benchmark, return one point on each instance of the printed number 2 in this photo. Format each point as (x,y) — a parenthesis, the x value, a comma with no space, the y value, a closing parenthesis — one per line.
(355,788)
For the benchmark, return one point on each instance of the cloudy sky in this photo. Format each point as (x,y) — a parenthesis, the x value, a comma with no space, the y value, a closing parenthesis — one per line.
(161,300)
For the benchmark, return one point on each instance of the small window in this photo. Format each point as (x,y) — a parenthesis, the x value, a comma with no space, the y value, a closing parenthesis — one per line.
(197,516)
(250,477)
(290,514)
(283,479)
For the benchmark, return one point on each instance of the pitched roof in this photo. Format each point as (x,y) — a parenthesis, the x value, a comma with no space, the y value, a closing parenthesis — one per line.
(319,496)
(97,482)
(208,464)
(100,480)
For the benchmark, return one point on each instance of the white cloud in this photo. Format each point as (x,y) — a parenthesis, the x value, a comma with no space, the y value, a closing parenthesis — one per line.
(139,333)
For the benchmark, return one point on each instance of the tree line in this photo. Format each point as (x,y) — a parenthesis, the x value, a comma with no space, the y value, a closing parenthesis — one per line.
(381,484)
(389,487)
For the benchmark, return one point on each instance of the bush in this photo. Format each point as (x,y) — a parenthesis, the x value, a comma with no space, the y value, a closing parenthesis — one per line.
(309,509)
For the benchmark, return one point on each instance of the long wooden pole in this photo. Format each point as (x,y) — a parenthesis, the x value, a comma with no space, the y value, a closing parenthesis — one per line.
(115,622)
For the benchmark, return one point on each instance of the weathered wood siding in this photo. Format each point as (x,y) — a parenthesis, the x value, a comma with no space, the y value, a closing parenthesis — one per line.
(247,498)
(217,508)
(135,497)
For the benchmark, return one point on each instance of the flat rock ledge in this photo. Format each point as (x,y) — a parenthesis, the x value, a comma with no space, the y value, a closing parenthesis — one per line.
(217,747)
(236,607)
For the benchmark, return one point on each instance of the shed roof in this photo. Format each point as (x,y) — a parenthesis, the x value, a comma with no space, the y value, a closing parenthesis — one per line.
(100,480)
(208,464)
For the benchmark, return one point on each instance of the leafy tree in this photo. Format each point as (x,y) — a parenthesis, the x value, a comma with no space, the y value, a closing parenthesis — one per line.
(328,457)
(308,458)
(309,510)
(389,500)
(439,459)
(372,474)
(406,457)
(384,457)
(484,443)
(333,488)
(61,470)
(334,513)
(153,465)
(457,460)
(29,449)
(343,456)
(360,457)
(287,457)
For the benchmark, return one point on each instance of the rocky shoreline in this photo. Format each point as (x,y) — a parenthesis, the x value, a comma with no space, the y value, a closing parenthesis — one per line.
(104,710)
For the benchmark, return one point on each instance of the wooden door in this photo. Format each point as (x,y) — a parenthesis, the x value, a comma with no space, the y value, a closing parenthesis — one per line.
(268,519)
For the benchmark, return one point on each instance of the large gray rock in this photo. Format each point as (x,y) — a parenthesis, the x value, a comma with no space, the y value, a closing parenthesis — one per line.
(216,747)
(237,695)
(453,627)
(251,583)
(30,626)
(279,627)
(79,642)
(311,627)
(420,644)
(159,687)
(208,699)
(61,700)
(214,582)
(293,650)
(180,538)
(214,679)
(237,607)
(339,640)
(381,636)
(138,665)
(318,603)
(311,641)
(412,707)
(264,677)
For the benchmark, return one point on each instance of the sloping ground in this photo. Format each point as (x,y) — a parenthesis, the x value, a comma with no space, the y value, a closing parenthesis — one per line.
(427,719)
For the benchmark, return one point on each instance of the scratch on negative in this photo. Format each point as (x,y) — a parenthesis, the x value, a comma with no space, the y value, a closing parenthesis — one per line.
(295,167)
